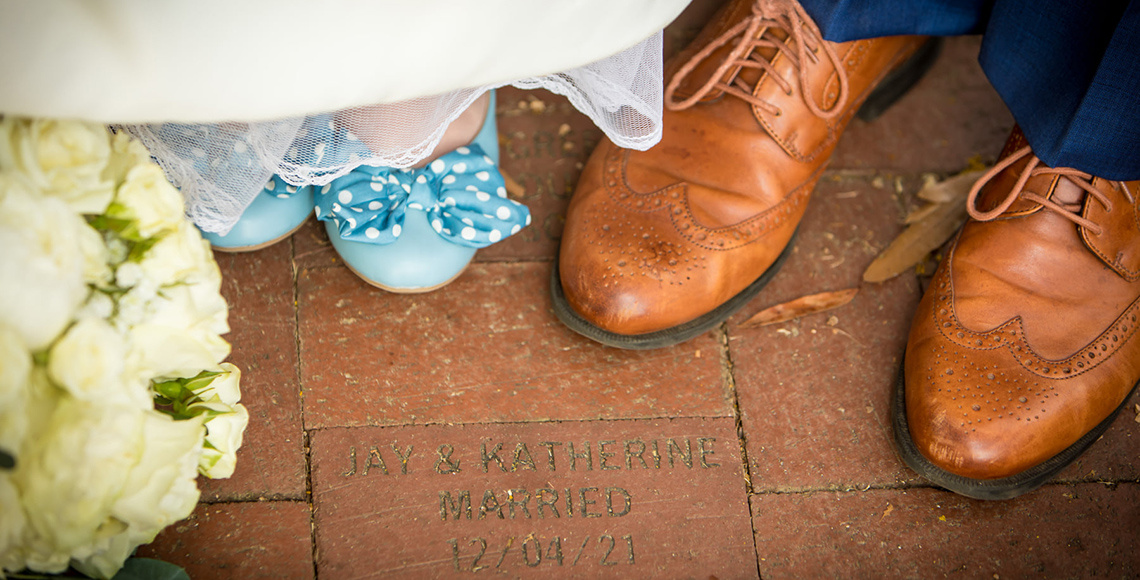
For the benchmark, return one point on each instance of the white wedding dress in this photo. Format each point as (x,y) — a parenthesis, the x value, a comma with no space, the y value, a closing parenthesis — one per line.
(222,92)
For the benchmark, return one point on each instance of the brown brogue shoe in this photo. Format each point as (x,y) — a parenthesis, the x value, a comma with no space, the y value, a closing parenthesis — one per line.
(1027,342)
(662,245)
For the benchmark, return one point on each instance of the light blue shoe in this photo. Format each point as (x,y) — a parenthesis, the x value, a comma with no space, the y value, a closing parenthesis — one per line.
(278,211)
(415,230)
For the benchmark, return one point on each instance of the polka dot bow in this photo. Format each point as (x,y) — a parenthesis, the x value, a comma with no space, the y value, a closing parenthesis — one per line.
(462,192)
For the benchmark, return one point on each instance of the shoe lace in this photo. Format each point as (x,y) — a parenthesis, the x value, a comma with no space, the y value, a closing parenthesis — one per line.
(1070,211)
(757,32)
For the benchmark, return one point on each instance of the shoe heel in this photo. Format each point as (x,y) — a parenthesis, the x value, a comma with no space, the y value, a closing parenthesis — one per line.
(899,81)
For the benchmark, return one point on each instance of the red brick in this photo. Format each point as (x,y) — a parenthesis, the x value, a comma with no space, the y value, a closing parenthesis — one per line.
(1116,455)
(312,248)
(1058,531)
(259,289)
(814,394)
(544,142)
(485,349)
(950,116)
(682,519)
(271,540)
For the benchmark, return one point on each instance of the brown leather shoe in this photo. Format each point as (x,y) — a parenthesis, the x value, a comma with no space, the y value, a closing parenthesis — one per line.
(1026,344)
(662,245)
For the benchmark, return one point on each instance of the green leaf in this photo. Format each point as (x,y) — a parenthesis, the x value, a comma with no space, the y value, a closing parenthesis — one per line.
(140,248)
(172,390)
(108,223)
(150,569)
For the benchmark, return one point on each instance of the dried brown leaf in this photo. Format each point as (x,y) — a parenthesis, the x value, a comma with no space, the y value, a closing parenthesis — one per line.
(915,242)
(513,187)
(801,306)
(950,190)
(921,213)
(929,226)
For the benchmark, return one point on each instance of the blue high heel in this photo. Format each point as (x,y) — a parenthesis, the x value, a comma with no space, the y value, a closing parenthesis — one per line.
(415,230)
(278,210)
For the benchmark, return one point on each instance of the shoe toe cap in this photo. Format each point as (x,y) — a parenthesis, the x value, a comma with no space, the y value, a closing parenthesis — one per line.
(981,417)
(266,220)
(418,261)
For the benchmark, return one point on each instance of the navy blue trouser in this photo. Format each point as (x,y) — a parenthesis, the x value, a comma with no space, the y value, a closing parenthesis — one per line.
(1067,69)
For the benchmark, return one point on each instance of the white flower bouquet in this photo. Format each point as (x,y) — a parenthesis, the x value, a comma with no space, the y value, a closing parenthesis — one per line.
(113,396)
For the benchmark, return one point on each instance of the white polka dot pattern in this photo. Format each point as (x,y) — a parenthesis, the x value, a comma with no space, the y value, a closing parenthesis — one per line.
(369,204)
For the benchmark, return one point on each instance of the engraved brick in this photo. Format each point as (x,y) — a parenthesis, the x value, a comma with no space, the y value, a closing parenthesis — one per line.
(620,499)
(1083,531)
(247,540)
(486,348)
(259,289)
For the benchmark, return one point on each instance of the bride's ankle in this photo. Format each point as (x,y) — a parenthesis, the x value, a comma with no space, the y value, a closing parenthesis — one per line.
(463,130)
(379,127)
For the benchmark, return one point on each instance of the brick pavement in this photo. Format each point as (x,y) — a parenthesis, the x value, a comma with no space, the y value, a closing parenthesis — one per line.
(466,433)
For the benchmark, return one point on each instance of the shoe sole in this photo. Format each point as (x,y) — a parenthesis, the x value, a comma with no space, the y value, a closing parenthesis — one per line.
(400,290)
(987,489)
(669,336)
(893,86)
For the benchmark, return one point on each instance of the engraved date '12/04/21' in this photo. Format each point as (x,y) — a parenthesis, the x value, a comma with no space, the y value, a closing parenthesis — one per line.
(475,554)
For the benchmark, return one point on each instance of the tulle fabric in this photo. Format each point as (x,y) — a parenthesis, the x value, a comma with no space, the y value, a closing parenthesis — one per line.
(221,167)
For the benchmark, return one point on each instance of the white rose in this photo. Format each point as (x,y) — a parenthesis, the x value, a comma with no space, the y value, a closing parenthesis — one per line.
(223,439)
(40,237)
(88,362)
(26,413)
(126,153)
(181,256)
(22,427)
(96,257)
(12,523)
(147,199)
(225,387)
(71,476)
(15,364)
(160,489)
(160,352)
(188,314)
(118,250)
(137,305)
(128,274)
(15,373)
(196,310)
(63,158)
(98,305)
